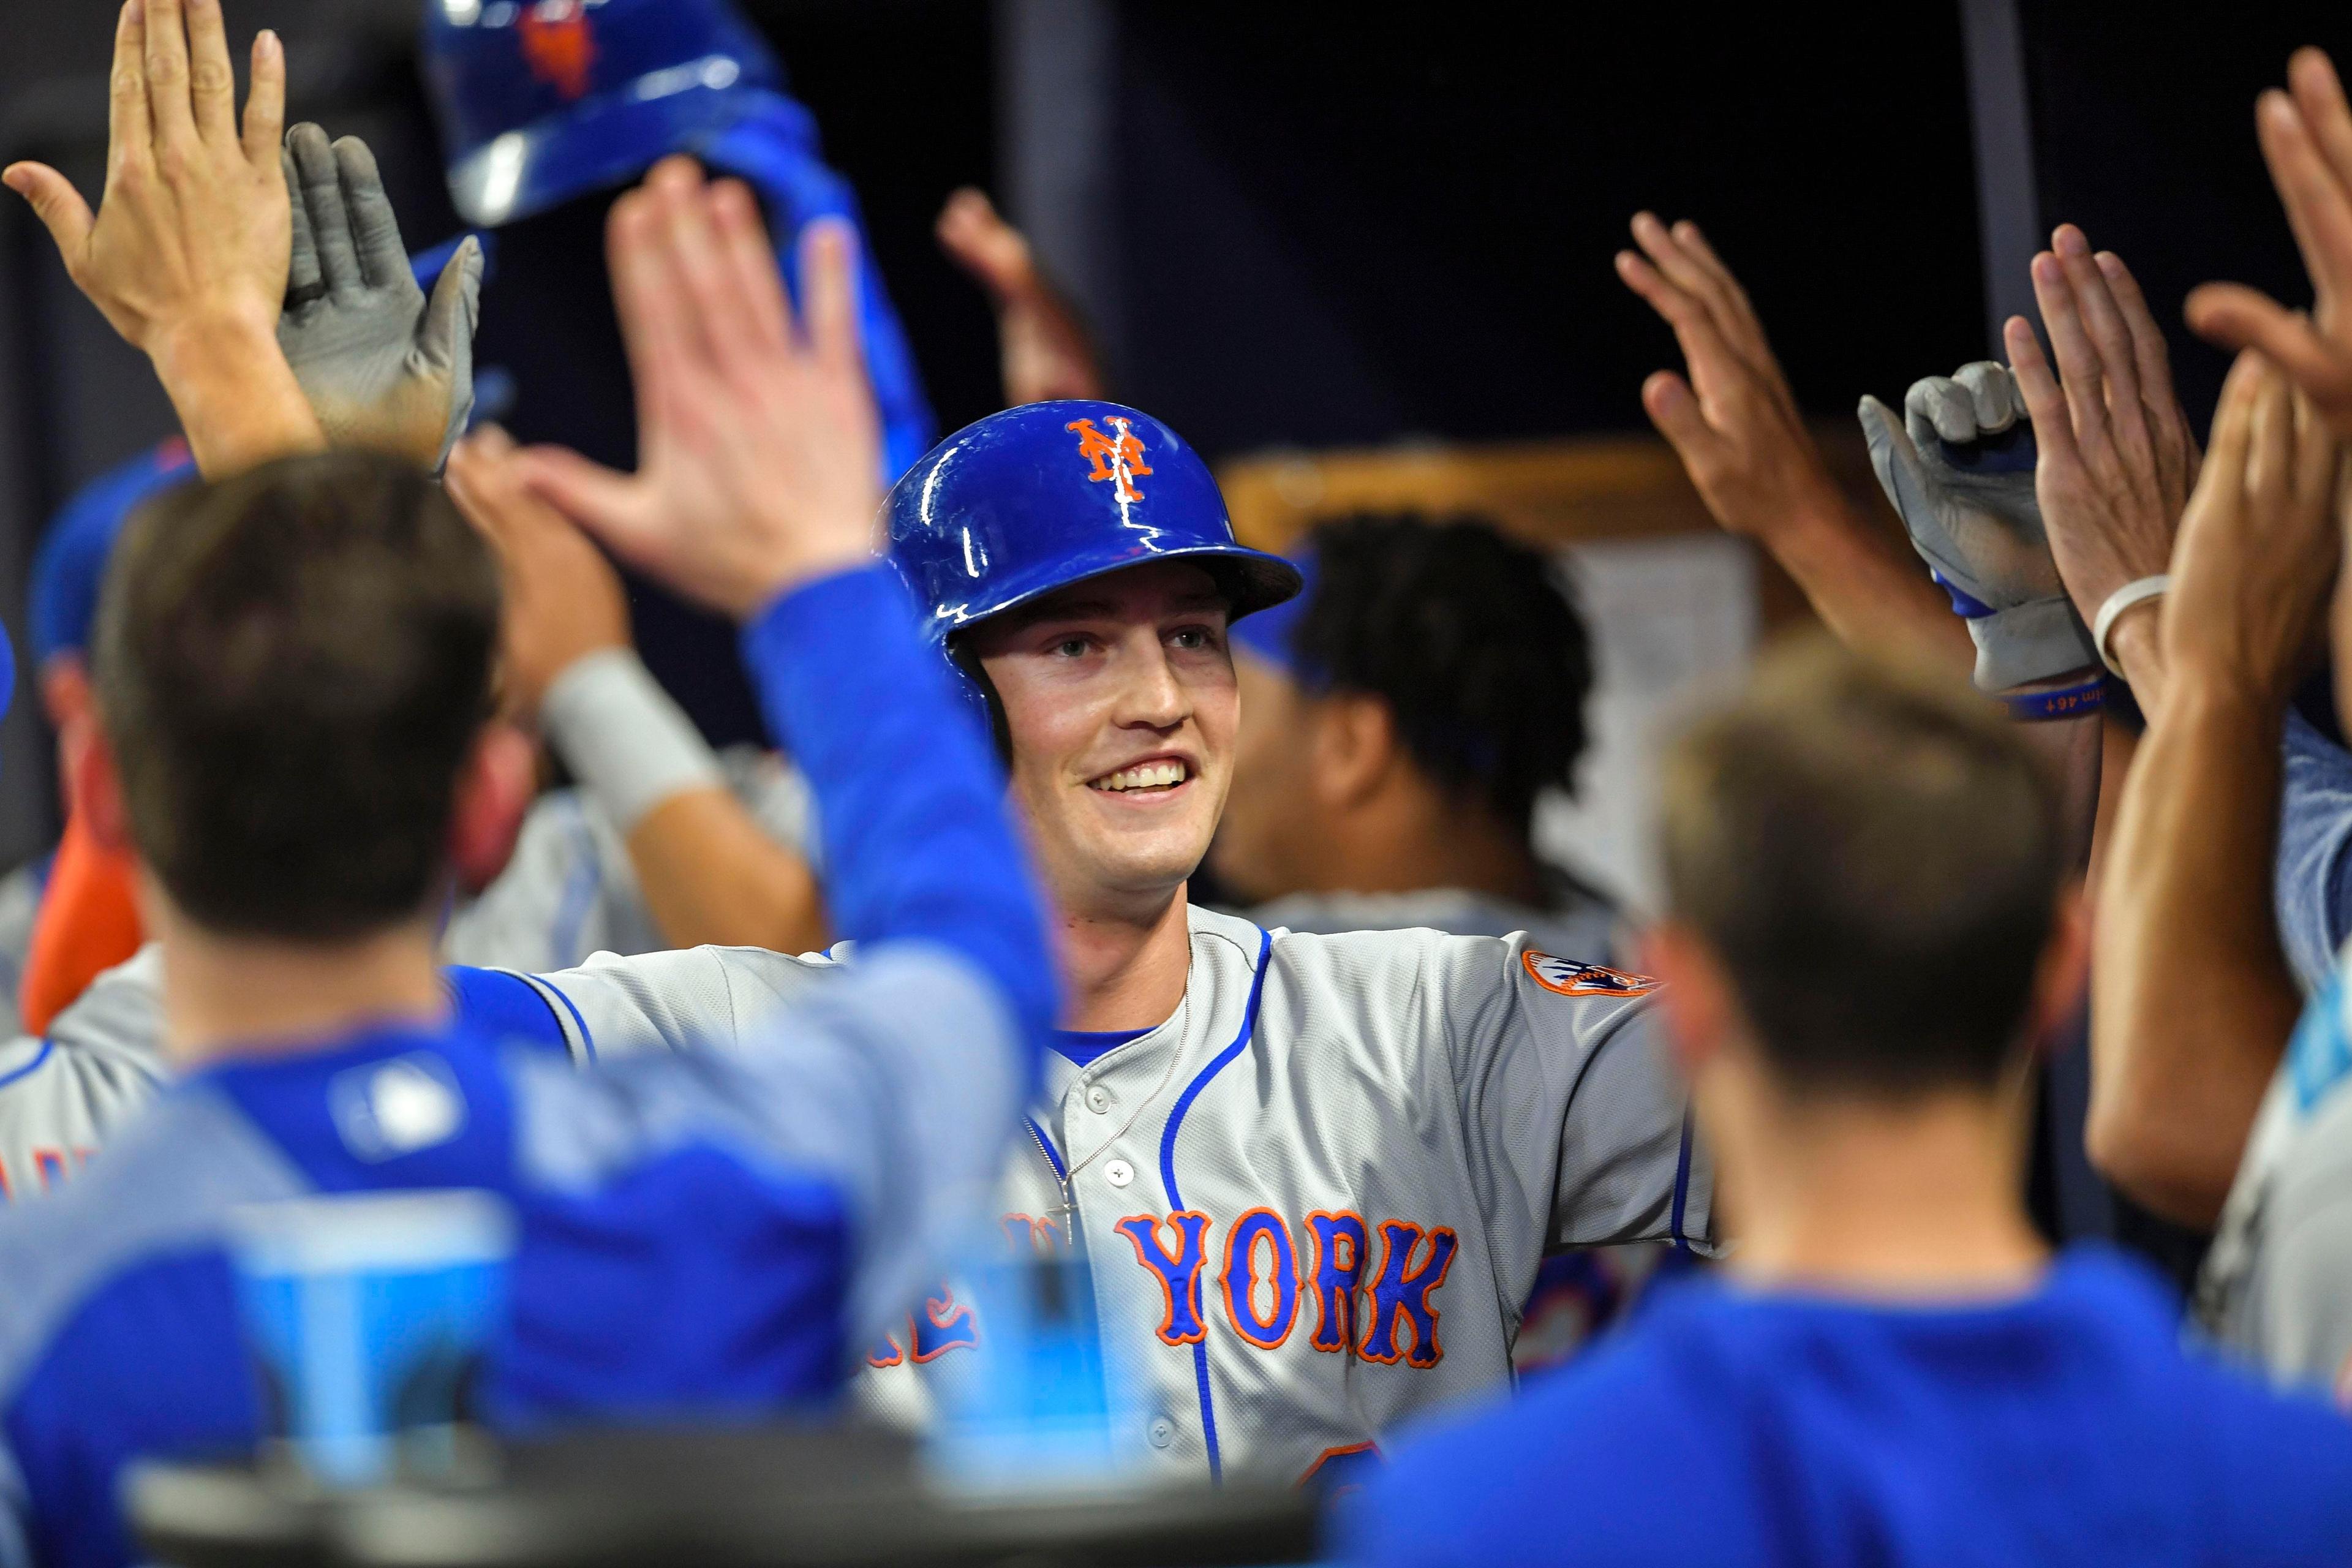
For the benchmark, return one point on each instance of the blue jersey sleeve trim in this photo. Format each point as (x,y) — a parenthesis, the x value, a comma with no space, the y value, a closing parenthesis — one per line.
(505,1005)
(32,1066)
(1168,1176)
(587,1036)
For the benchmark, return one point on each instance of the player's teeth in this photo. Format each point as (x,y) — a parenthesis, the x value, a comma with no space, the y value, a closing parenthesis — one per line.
(1149,775)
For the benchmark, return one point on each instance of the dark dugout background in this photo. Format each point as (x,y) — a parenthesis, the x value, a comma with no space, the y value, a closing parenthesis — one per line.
(1292,232)
(1289,231)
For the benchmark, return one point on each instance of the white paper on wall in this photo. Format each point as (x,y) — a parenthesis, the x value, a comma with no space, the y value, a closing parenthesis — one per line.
(1672,620)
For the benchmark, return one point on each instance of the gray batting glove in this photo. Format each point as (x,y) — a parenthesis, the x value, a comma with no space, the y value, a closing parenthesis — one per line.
(1959,469)
(382,365)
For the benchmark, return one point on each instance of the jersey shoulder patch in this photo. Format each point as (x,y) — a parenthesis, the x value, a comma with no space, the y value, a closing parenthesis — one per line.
(1567,977)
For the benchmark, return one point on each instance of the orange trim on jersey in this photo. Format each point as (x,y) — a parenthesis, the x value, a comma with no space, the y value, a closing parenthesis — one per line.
(956,1318)
(1353,1269)
(897,1355)
(1041,1234)
(1242,1310)
(1585,979)
(1191,1257)
(1328,1454)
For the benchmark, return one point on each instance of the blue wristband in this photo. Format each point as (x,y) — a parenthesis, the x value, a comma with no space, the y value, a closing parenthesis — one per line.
(2065,702)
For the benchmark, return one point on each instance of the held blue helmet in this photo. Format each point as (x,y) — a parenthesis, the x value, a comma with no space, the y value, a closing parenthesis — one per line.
(1049,494)
(542,101)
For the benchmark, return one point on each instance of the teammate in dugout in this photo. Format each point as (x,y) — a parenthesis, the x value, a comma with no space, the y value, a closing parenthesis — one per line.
(1313,1174)
(1871,930)
(293,671)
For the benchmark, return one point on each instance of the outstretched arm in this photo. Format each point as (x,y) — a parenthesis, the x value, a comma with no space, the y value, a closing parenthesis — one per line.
(188,252)
(1045,351)
(2192,1001)
(1735,426)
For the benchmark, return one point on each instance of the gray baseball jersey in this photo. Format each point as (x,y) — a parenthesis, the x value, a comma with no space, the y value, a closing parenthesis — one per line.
(62,1094)
(1578,1295)
(571,888)
(1313,1200)
(1575,921)
(2277,1283)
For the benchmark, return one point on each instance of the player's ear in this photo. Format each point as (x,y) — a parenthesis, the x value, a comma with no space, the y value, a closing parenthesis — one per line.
(65,690)
(94,785)
(1699,1007)
(494,792)
(1355,745)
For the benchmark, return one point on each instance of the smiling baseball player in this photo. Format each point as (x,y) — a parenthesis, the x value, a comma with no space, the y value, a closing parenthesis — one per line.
(1313,1174)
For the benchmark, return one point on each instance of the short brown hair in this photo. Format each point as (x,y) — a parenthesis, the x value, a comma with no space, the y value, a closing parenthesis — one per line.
(1876,857)
(292,665)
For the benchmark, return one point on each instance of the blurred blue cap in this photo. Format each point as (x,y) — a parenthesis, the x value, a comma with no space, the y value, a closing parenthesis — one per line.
(1273,635)
(542,100)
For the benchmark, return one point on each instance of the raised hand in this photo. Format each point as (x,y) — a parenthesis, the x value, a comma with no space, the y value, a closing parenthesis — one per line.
(2259,546)
(1960,468)
(757,441)
(1734,423)
(562,599)
(2116,454)
(1045,351)
(1735,426)
(2306,138)
(382,365)
(187,254)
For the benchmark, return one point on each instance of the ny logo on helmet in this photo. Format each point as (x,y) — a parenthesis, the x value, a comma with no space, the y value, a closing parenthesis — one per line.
(1117,460)
(558,46)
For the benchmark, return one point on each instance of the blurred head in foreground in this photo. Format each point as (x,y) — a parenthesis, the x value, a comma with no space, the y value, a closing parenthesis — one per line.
(293,676)
(1401,716)
(1868,907)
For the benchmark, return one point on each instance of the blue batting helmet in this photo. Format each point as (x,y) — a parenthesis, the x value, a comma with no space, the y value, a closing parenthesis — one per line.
(1039,497)
(542,101)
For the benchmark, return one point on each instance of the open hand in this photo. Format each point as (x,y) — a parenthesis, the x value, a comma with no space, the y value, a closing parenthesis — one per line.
(194,230)
(2257,548)
(1045,352)
(2116,456)
(2307,137)
(757,440)
(187,254)
(1734,423)
(562,600)
(382,365)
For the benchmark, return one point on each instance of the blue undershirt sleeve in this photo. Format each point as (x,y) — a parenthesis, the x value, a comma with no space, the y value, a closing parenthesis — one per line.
(916,842)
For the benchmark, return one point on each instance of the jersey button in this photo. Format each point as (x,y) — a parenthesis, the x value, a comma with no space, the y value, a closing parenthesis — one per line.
(1097,1098)
(1162,1432)
(1119,1172)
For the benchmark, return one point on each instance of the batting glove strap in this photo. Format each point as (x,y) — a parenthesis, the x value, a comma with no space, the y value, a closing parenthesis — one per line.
(2062,702)
(2038,640)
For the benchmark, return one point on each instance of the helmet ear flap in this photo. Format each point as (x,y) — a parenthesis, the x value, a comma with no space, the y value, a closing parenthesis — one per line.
(967,665)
